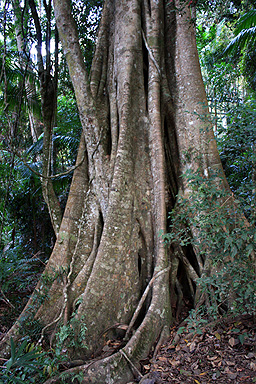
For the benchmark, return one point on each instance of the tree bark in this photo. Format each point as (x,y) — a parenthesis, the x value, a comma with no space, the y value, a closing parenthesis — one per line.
(143,109)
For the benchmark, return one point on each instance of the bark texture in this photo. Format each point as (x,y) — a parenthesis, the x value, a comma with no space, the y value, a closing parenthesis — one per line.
(142,108)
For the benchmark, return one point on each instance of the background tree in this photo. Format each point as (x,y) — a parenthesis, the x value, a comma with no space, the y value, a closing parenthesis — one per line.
(27,237)
(228,75)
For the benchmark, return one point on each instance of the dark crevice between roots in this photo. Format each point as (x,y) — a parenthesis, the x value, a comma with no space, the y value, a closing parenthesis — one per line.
(139,264)
(172,166)
(190,255)
(149,7)
(108,136)
(117,113)
(184,286)
(143,274)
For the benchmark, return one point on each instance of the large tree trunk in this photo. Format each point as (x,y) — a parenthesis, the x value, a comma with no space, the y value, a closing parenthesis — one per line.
(143,108)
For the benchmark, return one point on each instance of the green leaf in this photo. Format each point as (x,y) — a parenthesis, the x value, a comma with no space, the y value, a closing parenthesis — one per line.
(233,251)
(249,249)
(180,330)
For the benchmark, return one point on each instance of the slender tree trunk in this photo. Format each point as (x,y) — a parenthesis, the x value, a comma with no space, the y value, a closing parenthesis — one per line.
(143,111)
(35,123)
(48,91)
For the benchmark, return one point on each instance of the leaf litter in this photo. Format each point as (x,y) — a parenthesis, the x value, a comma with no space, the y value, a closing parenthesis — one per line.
(223,353)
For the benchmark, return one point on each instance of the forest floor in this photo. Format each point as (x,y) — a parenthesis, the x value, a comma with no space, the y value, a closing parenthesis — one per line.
(218,353)
(224,352)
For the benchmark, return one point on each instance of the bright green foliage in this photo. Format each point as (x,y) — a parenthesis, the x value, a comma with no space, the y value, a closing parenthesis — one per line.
(19,273)
(235,143)
(236,282)
(25,209)
(71,335)
(209,222)
(222,76)
(26,231)
(23,365)
(245,32)
(67,132)
(87,14)
(243,46)
(29,363)
(231,103)
(195,322)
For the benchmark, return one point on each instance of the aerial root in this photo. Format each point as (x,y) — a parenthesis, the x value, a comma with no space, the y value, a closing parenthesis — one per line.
(142,300)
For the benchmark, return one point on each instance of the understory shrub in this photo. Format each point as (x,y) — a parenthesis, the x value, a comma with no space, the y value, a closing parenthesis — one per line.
(211,222)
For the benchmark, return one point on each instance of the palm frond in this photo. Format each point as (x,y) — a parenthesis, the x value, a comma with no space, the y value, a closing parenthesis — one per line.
(67,140)
(36,147)
(33,100)
(240,40)
(25,172)
(14,96)
(244,32)
(247,21)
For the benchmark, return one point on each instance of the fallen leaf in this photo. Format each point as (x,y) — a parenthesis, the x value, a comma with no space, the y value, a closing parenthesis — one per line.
(195,365)
(212,358)
(245,378)
(183,372)
(216,375)
(216,363)
(174,363)
(253,366)
(251,355)
(176,339)
(237,323)
(192,346)
(217,335)
(161,358)
(197,382)
(227,370)
(106,348)
(232,376)
(124,327)
(232,341)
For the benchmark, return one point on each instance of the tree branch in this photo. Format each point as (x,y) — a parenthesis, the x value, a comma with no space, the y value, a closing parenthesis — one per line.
(52,176)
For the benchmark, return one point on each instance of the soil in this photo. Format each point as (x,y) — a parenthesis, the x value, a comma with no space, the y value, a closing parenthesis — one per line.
(223,353)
